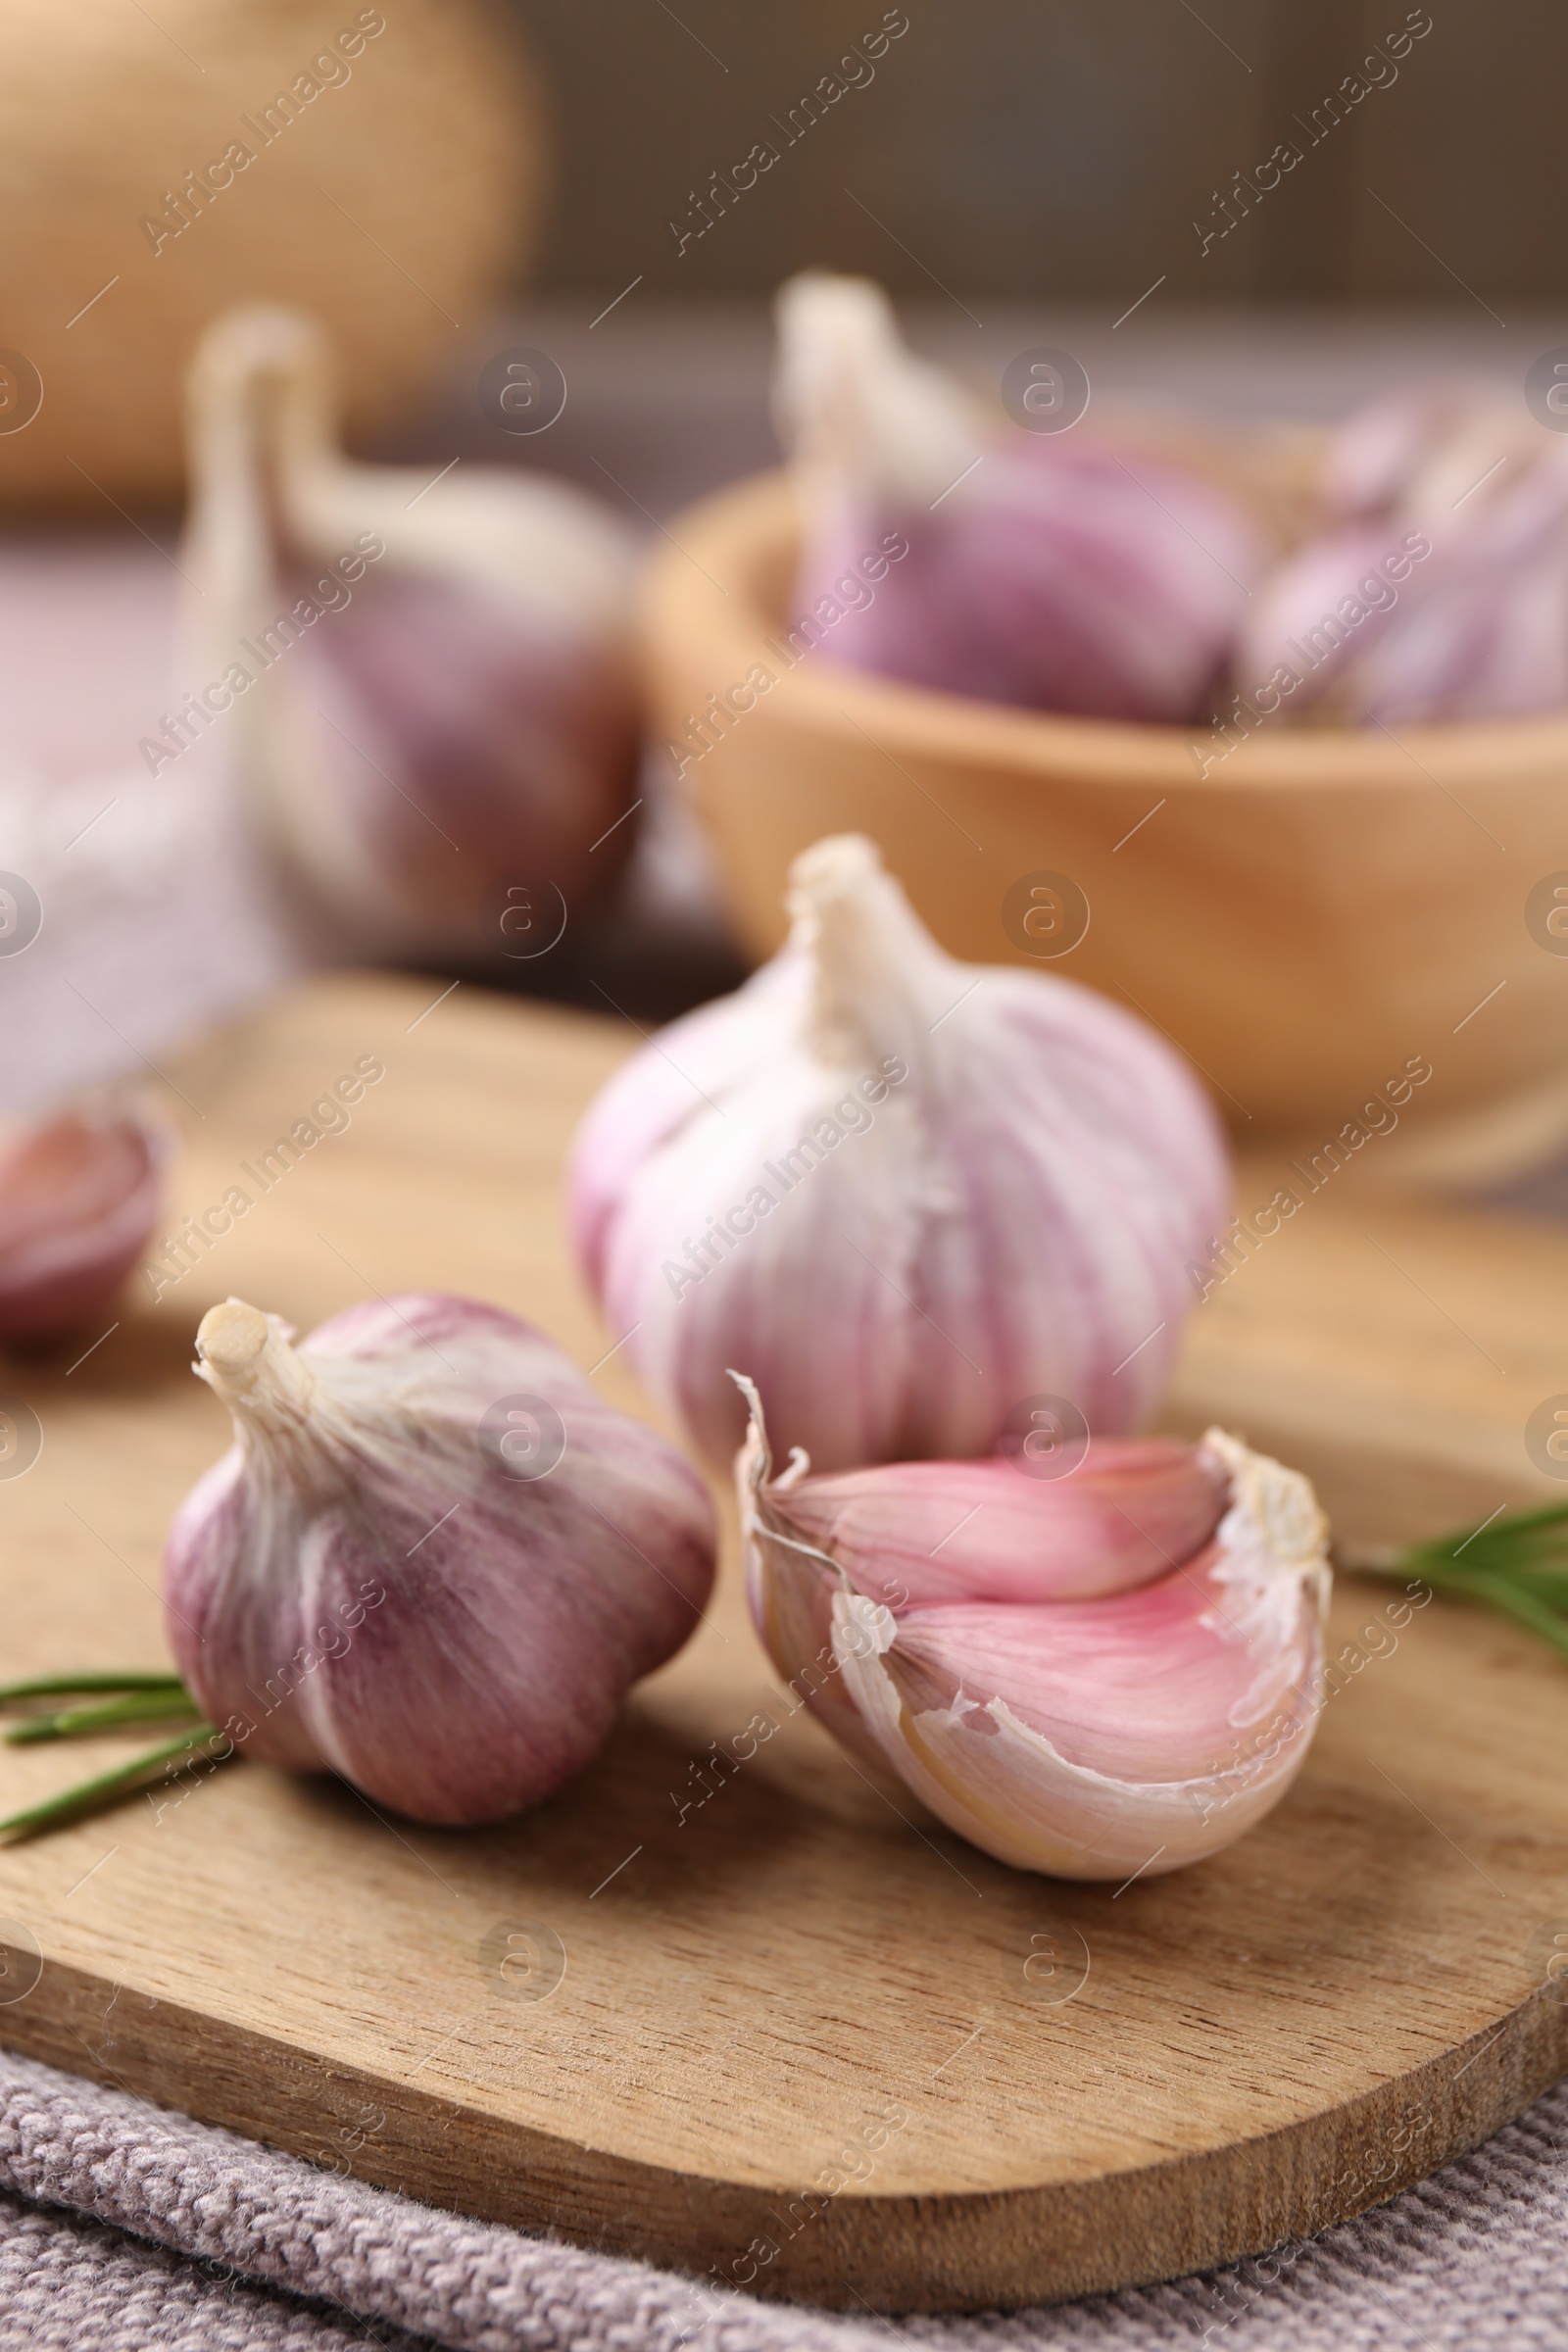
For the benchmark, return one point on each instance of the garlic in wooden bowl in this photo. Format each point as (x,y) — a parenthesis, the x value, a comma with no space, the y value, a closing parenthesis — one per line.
(424,684)
(1060,573)
(1301,909)
(433,1561)
(1076,1696)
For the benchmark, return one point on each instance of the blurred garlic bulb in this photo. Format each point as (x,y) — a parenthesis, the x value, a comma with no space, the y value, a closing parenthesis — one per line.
(1438,589)
(433,1560)
(79,1199)
(1041,570)
(427,683)
(1067,1698)
(1423,451)
(908,1194)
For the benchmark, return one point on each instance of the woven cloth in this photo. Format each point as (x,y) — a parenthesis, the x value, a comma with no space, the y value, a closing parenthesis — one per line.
(124,2227)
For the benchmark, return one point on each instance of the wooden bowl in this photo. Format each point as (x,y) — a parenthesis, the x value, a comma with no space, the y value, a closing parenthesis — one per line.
(393,204)
(1318,910)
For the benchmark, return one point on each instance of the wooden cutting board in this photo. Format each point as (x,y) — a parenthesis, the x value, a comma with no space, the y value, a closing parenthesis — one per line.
(789,2034)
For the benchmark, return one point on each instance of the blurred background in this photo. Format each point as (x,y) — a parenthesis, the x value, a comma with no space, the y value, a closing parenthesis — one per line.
(1039,150)
(465,179)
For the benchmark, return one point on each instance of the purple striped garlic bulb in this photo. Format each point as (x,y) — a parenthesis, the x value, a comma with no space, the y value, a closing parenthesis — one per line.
(1437,590)
(1060,573)
(910,1195)
(433,1560)
(1101,1675)
(423,679)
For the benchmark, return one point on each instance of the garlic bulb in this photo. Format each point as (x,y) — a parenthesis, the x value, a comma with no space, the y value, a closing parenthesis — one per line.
(911,1194)
(79,1200)
(427,684)
(1439,589)
(1058,573)
(1069,1698)
(433,1561)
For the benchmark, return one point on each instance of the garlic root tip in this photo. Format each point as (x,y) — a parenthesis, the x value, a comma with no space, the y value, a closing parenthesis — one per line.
(830,869)
(231,1336)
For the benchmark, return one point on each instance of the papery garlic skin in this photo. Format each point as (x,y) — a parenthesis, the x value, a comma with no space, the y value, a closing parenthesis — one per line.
(1065,574)
(1443,570)
(1133,1733)
(80,1198)
(440,698)
(908,1194)
(360,1586)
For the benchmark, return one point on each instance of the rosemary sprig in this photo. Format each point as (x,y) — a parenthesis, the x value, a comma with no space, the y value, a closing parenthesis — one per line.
(89,1796)
(68,1686)
(1517,1564)
(136,1706)
(133,1697)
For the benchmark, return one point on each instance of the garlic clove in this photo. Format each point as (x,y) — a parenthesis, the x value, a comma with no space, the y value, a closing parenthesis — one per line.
(1063,575)
(1139,1731)
(428,685)
(923,1534)
(79,1199)
(907,1193)
(1440,590)
(1477,628)
(368,1582)
(1420,449)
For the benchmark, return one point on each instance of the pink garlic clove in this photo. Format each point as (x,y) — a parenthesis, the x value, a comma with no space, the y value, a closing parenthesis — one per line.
(1420,449)
(434,1561)
(907,1193)
(1474,626)
(1060,575)
(1091,1739)
(928,1533)
(1440,591)
(426,686)
(79,1199)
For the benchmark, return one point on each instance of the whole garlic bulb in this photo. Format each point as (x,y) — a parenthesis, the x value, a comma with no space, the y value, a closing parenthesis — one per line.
(1438,588)
(433,1560)
(1054,572)
(79,1196)
(428,684)
(908,1194)
(1093,1681)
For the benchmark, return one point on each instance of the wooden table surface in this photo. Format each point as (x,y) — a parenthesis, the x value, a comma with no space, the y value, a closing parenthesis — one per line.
(797,1983)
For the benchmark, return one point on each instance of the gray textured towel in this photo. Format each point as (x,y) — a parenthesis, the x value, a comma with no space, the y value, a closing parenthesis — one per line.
(251,2249)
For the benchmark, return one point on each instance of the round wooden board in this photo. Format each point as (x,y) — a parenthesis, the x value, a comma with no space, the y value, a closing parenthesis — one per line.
(787,2034)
